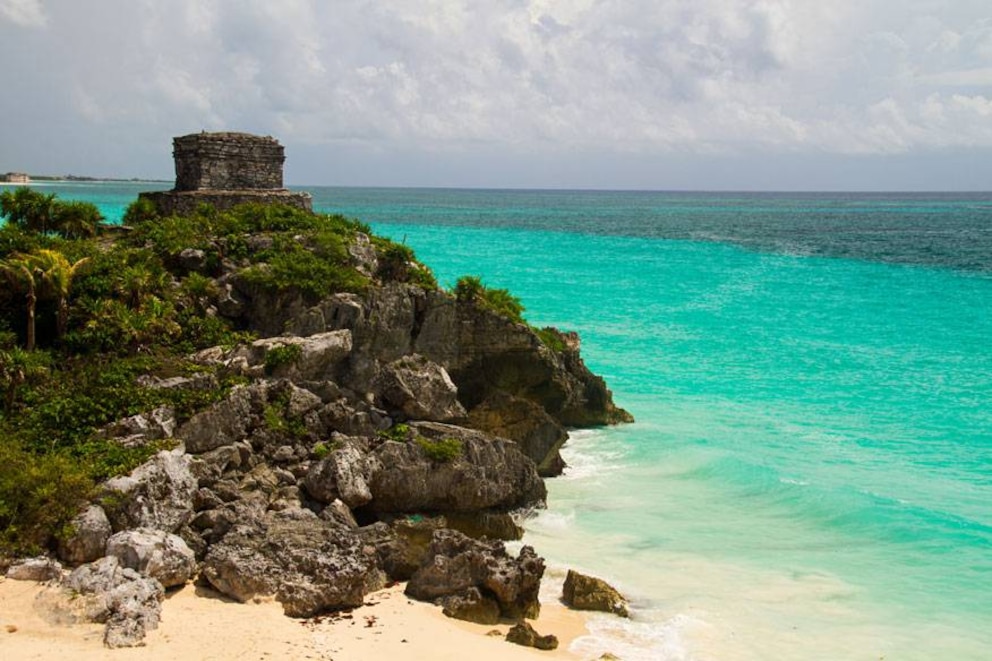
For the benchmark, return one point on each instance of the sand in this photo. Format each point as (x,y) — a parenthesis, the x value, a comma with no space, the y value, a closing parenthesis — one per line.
(200,624)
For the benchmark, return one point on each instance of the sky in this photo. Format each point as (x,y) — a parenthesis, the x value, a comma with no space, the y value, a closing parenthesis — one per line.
(611,94)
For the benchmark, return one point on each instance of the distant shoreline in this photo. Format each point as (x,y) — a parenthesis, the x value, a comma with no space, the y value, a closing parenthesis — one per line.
(82,180)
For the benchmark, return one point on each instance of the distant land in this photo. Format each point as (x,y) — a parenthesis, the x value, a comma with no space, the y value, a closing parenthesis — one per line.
(76,177)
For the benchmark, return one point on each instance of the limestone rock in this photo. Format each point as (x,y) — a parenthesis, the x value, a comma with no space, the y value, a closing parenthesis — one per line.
(87,539)
(223,423)
(160,555)
(341,475)
(583,592)
(321,355)
(129,603)
(524,634)
(309,566)
(456,563)
(140,429)
(418,389)
(38,569)
(539,436)
(158,494)
(491,473)
(471,606)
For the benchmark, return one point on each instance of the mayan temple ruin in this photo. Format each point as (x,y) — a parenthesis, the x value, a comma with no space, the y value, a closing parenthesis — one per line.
(223,170)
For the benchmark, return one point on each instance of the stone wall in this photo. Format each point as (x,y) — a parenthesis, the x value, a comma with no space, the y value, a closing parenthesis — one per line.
(227,161)
(184,203)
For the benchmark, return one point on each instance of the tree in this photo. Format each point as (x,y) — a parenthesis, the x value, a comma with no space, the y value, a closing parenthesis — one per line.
(56,275)
(20,271)
(76,220)
(29,209)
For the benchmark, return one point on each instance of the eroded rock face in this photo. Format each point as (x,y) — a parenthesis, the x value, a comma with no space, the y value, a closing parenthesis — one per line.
(88,539)
(309,566)
(455,563)
(154,553)
(414,388)
(157,495)
(490,473)
(343,475)
(583,592)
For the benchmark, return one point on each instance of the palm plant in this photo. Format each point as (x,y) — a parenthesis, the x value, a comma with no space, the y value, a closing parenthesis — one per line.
(21,272)
(56,275)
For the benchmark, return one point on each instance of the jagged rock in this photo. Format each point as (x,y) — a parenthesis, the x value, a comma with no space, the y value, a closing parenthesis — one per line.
(38,569)
(199,381)
(539,436)
(140,429)
(456,563)
(416,388)
(160,555)
(192,259)
(158,494)
(223,423)
(491,473)
(87,539)
(363,256)
(309,566)
(471,606)
(583,592)
(338,512)
(129,603)
(402,545)
(340,475)
(321,355)
(491,525)
(524,634)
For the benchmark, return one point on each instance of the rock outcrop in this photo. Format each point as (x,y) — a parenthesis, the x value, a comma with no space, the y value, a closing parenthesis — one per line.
(479,573)
(523,633)
(583,592)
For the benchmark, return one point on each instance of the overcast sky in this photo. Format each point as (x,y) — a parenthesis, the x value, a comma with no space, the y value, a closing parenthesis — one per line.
(656,94)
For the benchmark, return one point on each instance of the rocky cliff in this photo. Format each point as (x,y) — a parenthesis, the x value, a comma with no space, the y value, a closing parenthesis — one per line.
(367,428)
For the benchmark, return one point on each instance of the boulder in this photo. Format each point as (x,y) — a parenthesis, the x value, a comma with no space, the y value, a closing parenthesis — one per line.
(583,592)
(143,428)
(160,555)
(489,473)
(309,566)
(87,537)
(524,634)
(414,388)
(223,423)
(38,569)
(129,603)
(158,494)
(539,436)
(471,606)
(340,475)
(321,355)
(403,545)
(455,563)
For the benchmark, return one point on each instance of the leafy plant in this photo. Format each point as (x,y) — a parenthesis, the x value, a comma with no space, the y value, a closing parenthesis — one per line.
(441,450)
(399,432)
(470,289)
(282,355)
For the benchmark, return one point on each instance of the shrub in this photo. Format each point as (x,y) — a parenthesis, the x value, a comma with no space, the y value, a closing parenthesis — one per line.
(470,289)
(282,355)
(441,450)
(399,432)
(140,211)
(551,337)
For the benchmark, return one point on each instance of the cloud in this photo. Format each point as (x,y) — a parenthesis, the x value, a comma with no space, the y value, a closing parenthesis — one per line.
(26,13)
(519,77)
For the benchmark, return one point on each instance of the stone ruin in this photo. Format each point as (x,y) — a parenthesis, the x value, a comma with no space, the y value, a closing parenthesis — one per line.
(224,170)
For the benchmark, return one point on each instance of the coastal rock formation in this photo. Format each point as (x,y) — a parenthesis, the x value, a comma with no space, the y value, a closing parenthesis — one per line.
(523,634)
(456,564)
(87,539)
(153,553)
(583,592)
(156,495)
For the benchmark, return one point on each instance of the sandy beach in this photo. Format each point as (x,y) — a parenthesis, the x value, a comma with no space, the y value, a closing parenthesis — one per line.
(200,624)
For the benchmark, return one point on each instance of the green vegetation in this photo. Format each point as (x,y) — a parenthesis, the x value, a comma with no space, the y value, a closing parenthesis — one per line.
(470,289)
(551,337)
(441,450)
(82,316)
(279,356)
(399,432)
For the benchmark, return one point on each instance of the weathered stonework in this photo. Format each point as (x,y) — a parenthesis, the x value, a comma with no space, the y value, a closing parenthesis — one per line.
(224,170)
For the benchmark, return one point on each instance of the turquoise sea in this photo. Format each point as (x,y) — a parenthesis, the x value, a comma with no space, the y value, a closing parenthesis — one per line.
(810,473)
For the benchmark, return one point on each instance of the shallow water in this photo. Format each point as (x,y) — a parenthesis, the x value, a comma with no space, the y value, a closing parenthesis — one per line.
(810,471)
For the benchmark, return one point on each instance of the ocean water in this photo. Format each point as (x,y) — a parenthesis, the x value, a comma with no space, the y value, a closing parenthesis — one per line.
(810,473)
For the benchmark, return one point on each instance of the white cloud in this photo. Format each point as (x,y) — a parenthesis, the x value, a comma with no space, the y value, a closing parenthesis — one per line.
(27,13)
(555,77)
